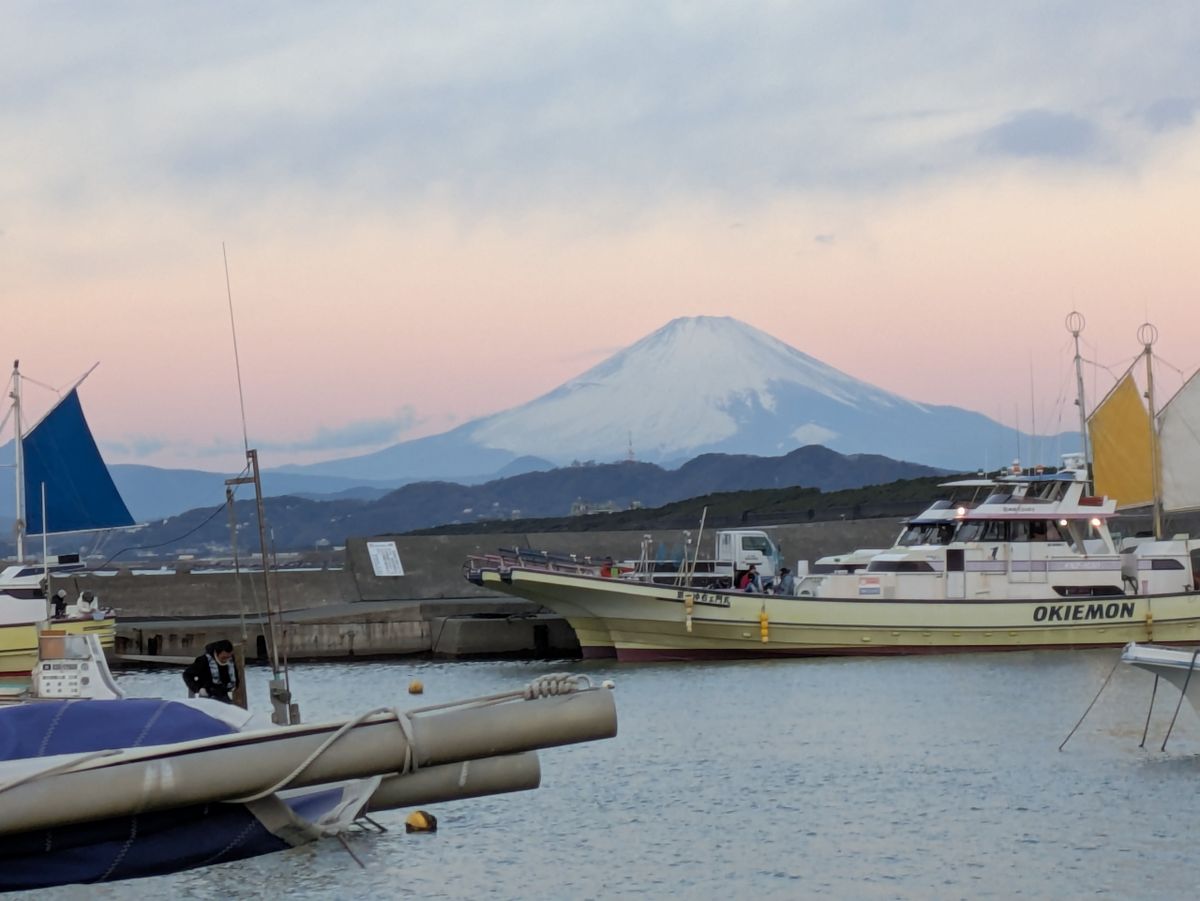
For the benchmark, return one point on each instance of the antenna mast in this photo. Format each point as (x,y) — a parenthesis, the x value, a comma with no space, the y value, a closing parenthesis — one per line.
(1075,324)
(1147,335)
(284,711)
(19,460)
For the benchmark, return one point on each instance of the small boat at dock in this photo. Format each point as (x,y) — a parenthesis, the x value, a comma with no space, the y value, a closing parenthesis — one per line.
(63,487)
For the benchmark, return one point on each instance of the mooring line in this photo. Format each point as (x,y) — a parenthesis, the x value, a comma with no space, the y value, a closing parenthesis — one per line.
(1091,705)
(1146,729)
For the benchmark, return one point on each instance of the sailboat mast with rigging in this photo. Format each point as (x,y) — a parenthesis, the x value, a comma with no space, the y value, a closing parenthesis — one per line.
(59,456)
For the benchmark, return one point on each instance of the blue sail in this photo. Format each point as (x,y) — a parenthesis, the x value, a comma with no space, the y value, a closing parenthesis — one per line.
(61,454)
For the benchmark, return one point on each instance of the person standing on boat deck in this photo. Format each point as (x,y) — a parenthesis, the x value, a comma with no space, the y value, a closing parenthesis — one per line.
(59,602)
(751,581)
(787,583)
(85,604)
(213,674)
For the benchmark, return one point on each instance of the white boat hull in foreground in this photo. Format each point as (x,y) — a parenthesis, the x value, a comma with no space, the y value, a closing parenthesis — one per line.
(1178,666)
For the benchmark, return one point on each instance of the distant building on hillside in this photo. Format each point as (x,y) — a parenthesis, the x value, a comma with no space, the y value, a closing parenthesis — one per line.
(580,507)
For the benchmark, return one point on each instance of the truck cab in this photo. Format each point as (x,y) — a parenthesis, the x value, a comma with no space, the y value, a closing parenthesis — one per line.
(738,548)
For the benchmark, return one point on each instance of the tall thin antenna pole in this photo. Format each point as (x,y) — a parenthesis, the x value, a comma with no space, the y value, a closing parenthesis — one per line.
(1148,334)
(1017,430)
(45,556)
(285,712)
(236,359)
(1033,460)
(1075,325)
(19,460)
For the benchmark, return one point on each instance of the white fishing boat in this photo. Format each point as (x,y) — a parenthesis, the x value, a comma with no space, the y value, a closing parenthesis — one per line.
(62,487)
(1033,566)
(95,786)
(934,527)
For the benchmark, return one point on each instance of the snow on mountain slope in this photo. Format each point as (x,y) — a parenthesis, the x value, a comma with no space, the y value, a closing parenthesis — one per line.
(695,383)
(702,385)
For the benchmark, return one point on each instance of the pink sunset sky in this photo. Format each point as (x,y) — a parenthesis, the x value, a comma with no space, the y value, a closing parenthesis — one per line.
(433,212)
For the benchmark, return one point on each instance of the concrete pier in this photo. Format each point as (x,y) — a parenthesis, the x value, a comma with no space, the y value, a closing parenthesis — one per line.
(366,630)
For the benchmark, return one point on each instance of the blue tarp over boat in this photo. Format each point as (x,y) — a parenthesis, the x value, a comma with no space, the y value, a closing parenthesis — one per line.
(125,847)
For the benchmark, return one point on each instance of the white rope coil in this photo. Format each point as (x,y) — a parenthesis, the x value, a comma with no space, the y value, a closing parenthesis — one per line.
(556,684)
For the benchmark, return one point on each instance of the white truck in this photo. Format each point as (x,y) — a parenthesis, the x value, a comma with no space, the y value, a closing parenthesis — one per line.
(734,551)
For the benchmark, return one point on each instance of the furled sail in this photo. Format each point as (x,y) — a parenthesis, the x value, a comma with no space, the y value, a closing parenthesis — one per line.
(1122,446)
(1179,447)
(61,454)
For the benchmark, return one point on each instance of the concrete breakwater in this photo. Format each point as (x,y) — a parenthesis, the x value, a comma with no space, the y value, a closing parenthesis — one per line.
(392,595)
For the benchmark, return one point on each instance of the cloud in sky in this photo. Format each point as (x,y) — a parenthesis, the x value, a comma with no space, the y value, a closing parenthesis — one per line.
(1040,133)
(536,103)
(449,209)
(360,435)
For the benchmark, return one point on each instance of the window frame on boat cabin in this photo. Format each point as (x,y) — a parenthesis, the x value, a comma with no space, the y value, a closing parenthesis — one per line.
(1001,530)
(917,534)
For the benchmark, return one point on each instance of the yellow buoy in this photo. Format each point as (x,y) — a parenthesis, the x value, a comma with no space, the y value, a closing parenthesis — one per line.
(420,821)
(764,626)
(416,687)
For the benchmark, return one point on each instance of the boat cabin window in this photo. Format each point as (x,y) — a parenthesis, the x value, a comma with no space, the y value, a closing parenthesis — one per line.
(1165,563)
(820,569)
(1010,530)
(1045,491)
(981,530)
(899,566)
(1046,530)
(926,533)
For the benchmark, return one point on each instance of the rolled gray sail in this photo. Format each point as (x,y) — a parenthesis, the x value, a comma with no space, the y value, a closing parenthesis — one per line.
(43,792)
(458,781)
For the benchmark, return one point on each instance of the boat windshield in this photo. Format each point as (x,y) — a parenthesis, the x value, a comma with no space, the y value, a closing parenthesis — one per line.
(921,533)
(1011,530)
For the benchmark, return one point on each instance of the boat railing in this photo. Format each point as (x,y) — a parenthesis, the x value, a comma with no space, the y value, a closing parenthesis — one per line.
(507,559)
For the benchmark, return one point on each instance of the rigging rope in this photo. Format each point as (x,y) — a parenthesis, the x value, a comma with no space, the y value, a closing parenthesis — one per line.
(1146,728)
(1091,705)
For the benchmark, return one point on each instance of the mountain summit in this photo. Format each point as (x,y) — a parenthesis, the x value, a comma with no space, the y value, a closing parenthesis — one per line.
(696,385)
(702,384)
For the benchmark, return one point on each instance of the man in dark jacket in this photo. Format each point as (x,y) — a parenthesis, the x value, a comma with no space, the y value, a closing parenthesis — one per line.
(213,674)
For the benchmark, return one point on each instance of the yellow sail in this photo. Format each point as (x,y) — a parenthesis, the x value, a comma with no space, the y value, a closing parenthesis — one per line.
(1121,446)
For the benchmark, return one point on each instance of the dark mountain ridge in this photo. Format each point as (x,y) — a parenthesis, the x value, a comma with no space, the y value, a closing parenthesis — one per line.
(299,523)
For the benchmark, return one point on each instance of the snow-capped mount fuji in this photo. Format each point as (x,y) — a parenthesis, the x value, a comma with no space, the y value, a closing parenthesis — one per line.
(698,385)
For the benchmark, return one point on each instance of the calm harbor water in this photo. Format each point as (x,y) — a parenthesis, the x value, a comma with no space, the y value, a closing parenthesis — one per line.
(922,777)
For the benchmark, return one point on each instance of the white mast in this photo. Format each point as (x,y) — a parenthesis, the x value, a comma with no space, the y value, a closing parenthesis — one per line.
(19,457)
(1075,324)
(1147,335)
